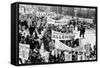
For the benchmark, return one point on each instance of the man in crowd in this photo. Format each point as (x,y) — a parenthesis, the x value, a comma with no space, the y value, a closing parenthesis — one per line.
(82,31)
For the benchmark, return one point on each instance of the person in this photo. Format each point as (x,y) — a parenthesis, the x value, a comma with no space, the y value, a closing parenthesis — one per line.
(73,56)
(82,31)
(78,27)
(79,56)
(20,61)
(71,28)
(66,56)
(74,24)
(44,54)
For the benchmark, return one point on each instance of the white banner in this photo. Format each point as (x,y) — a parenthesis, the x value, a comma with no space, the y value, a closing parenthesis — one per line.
(50,21)
(58,22)
(24,51)
(64,21)
(87,49)
(48,14)
(62,36)
(67,56)
(61,46)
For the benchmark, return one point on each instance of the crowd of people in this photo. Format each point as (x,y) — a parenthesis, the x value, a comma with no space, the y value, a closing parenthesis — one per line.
(35,31)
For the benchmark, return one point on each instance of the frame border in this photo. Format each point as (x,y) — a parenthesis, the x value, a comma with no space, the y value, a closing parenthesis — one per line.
(48,4)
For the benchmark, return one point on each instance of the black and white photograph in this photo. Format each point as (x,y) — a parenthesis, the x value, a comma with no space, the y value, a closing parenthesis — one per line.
(56,34)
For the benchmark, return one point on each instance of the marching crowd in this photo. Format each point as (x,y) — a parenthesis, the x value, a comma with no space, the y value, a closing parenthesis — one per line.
(35,31)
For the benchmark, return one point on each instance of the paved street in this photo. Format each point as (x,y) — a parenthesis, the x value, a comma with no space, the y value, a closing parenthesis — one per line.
(90,37)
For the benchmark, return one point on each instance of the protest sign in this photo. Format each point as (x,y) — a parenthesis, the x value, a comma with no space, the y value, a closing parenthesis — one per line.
(67,56)
(58,22)
(24,51)
(61,46)
(62,36)
(87,49)
(50,21)
(66,21)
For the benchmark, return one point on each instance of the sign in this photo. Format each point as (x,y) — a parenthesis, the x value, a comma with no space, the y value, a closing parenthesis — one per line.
(39,14)
(87,48)
(62,36)
(63,21)
(22,9)
(67,56)
(79,49)
(61,46)
(24,51)
(49,14)
(58,22)
(50,21)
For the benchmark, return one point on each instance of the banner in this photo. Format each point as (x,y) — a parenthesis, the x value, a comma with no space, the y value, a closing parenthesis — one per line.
(48,14)
(50,21)
(58,22)
(67,56)
(39,14)
(62,36)
(87,48)
(64,21)
(24,51)
(79,49)
(61,46)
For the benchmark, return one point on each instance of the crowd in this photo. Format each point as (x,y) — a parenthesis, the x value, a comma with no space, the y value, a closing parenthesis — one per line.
(35,31)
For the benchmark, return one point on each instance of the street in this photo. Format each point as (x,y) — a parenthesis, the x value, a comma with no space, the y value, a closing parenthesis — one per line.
(90,37)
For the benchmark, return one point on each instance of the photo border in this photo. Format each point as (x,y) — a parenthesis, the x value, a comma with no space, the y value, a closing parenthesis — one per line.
(48,4)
